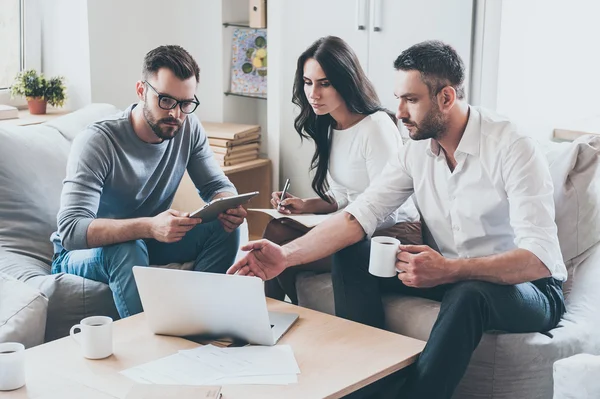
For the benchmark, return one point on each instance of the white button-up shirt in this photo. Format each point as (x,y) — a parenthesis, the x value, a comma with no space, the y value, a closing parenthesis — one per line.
(498,198)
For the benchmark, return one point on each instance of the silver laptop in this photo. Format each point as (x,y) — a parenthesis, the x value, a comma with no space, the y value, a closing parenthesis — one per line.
(186,303)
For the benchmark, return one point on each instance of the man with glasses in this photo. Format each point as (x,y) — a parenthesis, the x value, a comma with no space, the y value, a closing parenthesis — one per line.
(122,175)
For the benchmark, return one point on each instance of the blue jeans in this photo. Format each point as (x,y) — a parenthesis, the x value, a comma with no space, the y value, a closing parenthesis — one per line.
(212,248)
(468,309)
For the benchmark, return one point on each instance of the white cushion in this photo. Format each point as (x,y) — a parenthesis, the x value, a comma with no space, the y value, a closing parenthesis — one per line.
(577,377)
(23,311)
(575,171)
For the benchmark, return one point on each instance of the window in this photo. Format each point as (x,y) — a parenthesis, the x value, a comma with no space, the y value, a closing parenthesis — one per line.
(11,45)
(20,43)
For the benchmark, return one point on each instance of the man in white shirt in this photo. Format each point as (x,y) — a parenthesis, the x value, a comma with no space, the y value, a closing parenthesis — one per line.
(486,197)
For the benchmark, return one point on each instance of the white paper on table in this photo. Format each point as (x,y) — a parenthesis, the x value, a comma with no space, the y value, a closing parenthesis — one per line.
(306,219)
(248,360)
(281,379)
(211,365)
(173,370)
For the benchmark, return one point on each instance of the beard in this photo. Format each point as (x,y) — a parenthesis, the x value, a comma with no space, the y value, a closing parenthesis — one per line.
(159,127)
(432,126)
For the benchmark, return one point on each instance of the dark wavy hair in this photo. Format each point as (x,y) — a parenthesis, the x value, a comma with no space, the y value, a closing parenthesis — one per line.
(343,71)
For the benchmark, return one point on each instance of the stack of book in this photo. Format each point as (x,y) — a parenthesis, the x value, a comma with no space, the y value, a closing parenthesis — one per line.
(233,143)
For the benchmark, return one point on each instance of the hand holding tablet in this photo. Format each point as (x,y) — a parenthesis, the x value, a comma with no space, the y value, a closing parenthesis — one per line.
(211,211)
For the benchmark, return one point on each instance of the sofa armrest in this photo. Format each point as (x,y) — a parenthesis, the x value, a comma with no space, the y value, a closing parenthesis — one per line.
(584,295)
(581,322)
(23,312)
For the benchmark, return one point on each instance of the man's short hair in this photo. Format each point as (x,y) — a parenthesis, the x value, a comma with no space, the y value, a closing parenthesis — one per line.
(175,58)
(439,65)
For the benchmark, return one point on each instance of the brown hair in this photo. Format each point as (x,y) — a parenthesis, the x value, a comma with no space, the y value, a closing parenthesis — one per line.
(173,57)
(342,68)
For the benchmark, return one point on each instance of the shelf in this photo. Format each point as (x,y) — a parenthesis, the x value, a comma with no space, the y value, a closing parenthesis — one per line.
(237,24)
(228,93)
(25,118)
(240,25)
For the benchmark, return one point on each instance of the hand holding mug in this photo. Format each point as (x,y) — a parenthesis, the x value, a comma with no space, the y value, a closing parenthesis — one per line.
(382,260)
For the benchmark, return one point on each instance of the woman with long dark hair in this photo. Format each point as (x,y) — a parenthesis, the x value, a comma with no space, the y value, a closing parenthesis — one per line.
(354,138)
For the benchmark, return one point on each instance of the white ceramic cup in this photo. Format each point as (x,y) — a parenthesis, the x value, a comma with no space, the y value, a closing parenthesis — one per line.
(382,262)
(12,366)
(95,337)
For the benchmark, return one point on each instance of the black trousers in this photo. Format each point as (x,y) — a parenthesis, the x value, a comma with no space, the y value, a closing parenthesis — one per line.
(468,309)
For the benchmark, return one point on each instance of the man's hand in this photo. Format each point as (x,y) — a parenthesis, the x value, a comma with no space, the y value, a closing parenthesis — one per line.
(265,260)
(422,267)
(289,205)
(171,225)
(232,218)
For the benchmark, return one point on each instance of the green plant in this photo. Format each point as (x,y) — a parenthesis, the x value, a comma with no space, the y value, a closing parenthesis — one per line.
(30,84)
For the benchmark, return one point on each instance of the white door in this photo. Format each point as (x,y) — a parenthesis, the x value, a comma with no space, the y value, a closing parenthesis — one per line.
(396,25)
(304,22)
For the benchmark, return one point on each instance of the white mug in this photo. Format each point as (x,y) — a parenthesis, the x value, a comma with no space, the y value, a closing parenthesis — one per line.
(12,366)
(382,261)
(95,337)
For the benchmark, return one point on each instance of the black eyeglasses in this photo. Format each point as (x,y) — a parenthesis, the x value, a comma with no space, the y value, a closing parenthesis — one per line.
(168,102)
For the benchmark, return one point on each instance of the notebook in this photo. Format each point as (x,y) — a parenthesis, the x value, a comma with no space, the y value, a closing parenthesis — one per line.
(307,219)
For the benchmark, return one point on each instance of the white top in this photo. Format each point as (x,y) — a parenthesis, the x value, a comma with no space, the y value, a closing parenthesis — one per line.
(499,197)
(358,155)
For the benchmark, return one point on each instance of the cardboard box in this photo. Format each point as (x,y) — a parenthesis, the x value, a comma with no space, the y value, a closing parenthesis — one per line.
(258,13)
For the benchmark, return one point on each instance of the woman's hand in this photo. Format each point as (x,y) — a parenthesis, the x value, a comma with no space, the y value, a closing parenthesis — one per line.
(289,205)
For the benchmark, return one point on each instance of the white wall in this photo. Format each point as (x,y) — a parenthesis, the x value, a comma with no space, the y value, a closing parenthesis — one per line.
(548,63)
(122,32)
(65,49)
(286,42)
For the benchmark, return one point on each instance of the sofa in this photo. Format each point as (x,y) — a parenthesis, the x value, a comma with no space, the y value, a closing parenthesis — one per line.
(576,377)
(514,366)
(36,306)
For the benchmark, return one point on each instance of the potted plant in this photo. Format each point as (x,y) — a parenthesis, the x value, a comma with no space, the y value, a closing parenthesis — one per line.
(39,91)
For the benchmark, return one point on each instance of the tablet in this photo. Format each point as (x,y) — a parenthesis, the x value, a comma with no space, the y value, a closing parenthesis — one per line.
(210,211)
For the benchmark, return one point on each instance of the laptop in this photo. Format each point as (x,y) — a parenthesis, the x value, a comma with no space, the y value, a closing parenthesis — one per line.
(188,303)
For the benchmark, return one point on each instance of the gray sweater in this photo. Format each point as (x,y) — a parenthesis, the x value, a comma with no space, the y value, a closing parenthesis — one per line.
(112,173)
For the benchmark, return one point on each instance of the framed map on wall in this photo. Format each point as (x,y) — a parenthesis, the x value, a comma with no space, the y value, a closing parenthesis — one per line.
(249,62)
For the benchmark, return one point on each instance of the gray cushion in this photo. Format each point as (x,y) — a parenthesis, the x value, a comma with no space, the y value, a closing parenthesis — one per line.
(23,312)
(71,298)
(32,165)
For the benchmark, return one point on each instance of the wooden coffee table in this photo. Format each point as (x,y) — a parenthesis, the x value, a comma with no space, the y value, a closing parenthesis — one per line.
(335,356)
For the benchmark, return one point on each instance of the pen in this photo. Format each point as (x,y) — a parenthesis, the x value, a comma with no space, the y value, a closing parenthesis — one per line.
(286,187)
